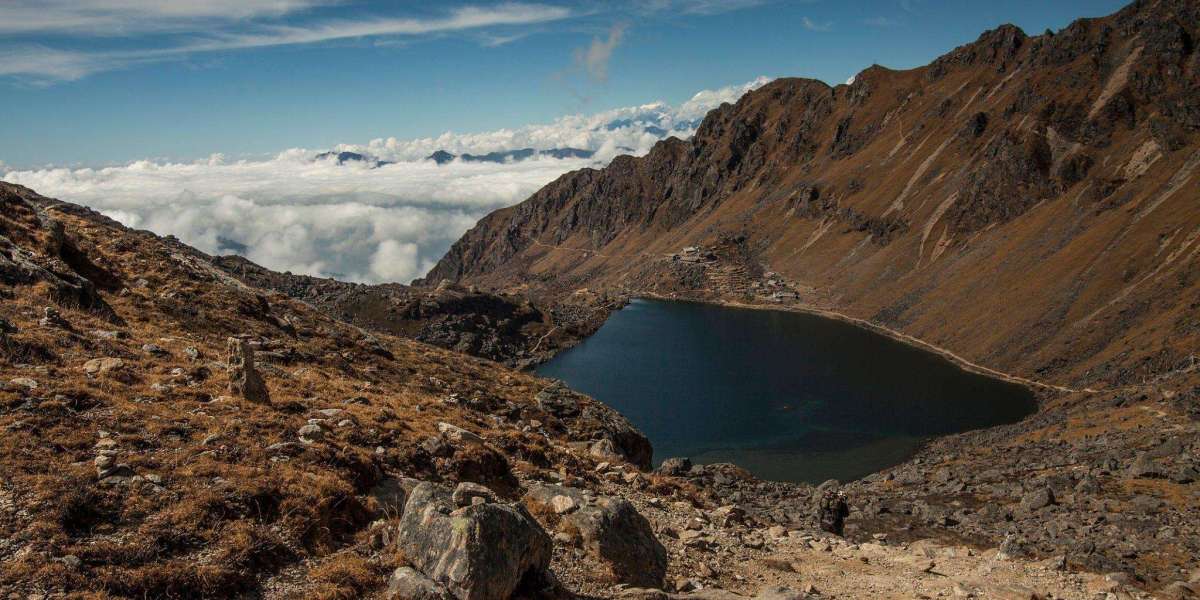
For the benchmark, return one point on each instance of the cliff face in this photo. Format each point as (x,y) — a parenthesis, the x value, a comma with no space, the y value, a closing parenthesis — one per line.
(1028,202)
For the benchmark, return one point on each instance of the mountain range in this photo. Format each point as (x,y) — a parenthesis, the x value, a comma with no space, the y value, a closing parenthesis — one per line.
(442,157)
(178,424)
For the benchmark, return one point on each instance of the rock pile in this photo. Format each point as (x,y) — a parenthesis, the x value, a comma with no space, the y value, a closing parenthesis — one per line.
(609,529)
(244,378)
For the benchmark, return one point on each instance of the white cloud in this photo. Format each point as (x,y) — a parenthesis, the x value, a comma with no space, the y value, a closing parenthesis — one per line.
(811,25)
(44,65)
(395,261)
(125,17)
(291,213)
(597,55)
(468,17)
(881,22)
(391,223)
(706,100)
(697,7)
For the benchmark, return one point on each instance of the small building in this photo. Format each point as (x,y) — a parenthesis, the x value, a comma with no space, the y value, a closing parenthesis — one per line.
(783,295)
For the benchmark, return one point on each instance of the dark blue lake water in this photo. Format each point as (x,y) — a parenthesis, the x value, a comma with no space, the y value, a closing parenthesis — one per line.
(788,396)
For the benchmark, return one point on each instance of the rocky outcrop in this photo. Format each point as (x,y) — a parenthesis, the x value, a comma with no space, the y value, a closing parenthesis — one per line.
(611,436)
(609,529)
(52,258)
(244,379)
(483,551)
(500,327)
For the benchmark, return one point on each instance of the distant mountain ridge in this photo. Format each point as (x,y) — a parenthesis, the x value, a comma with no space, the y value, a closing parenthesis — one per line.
(442,157)
(352,157)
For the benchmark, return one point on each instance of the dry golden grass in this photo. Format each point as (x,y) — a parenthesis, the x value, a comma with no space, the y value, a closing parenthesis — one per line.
(228,513)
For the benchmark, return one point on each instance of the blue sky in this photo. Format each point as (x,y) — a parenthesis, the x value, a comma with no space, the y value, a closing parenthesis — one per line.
(97,82)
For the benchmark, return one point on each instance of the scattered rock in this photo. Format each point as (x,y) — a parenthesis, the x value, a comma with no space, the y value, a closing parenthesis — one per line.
(1037,499)
(311,433)
(467,493)
(558,400)
(675,467)
(457,434)
(25,382)
(1145,467)
(609,529)
(101,366)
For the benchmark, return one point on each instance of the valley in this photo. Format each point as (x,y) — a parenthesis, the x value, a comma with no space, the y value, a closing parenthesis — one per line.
(1025,207)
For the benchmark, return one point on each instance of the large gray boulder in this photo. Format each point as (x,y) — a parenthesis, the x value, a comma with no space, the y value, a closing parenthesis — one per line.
(477,552)
(609,529)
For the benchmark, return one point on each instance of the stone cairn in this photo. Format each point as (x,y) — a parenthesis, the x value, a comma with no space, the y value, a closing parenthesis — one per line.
(244,379)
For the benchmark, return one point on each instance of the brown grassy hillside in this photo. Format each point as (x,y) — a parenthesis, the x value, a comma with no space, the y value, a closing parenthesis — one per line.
(130,469)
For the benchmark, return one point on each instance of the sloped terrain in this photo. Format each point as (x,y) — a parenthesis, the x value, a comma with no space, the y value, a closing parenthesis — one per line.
(504,328)
(181,425)
(1028,207)
(1027,202)
(133,468)
(173,432)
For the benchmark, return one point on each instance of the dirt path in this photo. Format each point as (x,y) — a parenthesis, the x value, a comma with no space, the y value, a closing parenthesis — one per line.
(924,569)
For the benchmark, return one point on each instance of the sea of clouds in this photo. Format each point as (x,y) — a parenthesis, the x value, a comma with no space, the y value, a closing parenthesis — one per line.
(354,221)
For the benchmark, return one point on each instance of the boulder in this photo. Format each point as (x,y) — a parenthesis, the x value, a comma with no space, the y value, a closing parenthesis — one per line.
(244,379)
(609,529)
(406,583)
(729,516)
(831,510)
(675,467)
(101,366)
(558,400)
(468,493)
(311,433)
(478,552)
(1145,467)
(1037,499)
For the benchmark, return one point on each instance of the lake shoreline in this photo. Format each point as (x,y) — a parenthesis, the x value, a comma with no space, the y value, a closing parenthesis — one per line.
(961,362)
(699,378)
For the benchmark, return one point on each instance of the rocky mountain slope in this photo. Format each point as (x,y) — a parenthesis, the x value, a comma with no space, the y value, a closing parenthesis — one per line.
(172,432)
(1029,203)
(504,328)
(1029,207)
(178,425)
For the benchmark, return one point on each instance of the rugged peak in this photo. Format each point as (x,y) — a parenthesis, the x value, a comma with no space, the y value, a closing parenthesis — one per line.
(882,191)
